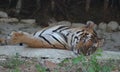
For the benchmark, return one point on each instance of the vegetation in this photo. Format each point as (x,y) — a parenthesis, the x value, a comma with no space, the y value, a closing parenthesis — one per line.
(12,63)
(89,64)
(79,64)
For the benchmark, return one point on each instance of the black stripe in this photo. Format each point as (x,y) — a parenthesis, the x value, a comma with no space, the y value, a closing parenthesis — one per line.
(81,34)
(34,33)
(57,40)
(71,39)
(75,38)
(64,29)
(43,36)
(45,39)
(59,28)
(86,34)
(67,34)
(95,34)
(42,32)
(65,38)
(79,31)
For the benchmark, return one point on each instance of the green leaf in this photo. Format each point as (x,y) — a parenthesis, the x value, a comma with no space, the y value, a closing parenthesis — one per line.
(40,68)
(75,61)
(81,58)
(106,69)
(91,69)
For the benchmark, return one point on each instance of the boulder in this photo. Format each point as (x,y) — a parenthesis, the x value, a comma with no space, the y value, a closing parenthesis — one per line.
(29,21)
(119,28)
(95,27)
(53,55)
(109,55)
(3,14)
(102,26)
(112,26)
(64,23)
(77,24)
(8,20)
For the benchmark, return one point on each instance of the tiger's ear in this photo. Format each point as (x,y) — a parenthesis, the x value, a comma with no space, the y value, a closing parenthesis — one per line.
(90,25)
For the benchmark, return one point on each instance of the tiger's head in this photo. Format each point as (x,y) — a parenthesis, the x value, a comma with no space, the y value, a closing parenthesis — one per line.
(89,40)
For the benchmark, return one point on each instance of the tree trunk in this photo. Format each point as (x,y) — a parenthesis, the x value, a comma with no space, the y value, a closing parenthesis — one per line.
(18,6)
(87,5)
(106,2)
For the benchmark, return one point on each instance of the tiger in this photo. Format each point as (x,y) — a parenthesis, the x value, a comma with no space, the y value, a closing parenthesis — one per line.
(77,39)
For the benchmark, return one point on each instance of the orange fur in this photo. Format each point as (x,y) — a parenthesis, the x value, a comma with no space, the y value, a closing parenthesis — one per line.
(31,41)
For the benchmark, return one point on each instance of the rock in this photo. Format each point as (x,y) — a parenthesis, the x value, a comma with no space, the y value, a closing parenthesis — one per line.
(9,20)
(78,24)
(102,26)
(112,41)
(29,21)
(95,27)
(52,20)
(119,28)
(109,55)
(67,23)
(112,26)
(64,23)
(3,14)
(50,54)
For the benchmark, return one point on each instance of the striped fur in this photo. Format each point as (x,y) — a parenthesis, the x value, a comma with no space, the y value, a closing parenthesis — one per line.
(80,40)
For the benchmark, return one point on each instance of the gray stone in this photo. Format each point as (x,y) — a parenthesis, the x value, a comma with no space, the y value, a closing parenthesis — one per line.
(112,26)
(7,20)
(3,14)
(54,55)
(112,41)
(95,27)
(119,28)
(109,55)
(78,24)
(29,21)
(64,23)
(67,23)
(102,26)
